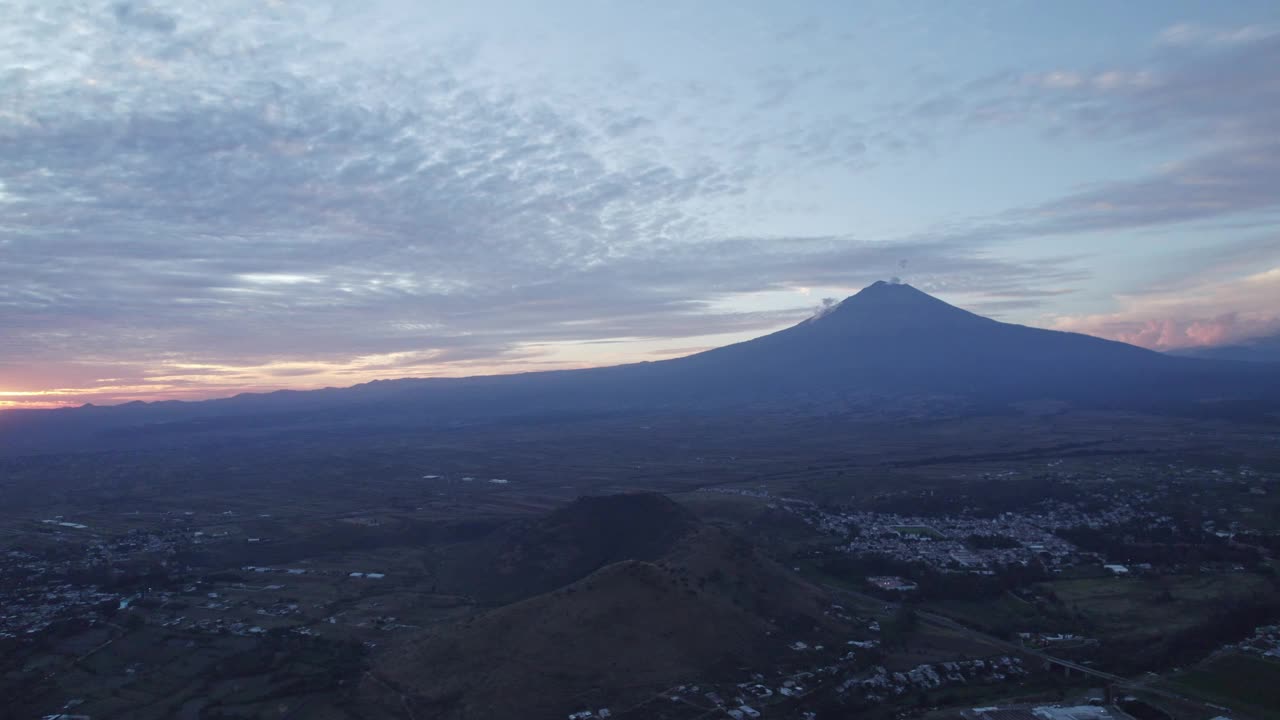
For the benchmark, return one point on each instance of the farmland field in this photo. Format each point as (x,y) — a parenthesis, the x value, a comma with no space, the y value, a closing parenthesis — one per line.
(1150,606)
(1236,679)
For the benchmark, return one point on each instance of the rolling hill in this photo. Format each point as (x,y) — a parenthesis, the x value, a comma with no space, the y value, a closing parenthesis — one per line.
(528,557)
(711,607)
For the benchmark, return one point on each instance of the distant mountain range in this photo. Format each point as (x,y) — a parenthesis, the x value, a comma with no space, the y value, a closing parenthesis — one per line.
(889,346)
(1262,349)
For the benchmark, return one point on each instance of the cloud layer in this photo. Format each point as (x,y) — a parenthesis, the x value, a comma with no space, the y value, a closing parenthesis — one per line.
(197,198)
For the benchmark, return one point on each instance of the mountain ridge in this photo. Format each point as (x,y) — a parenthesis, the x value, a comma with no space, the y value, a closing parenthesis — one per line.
(1264,349)
(889,342)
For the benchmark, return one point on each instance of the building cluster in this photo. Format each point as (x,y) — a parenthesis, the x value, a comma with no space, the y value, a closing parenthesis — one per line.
(36,592)
(1265,641)
(746,492)
(1042,712)
(972,540)
(158,542)
(468,479)
(944,542)
(1054,640)
(68,580)
(892,583)
(31,610)
(954,542)
(295,571)
(880,684)
(977,542)
(752,697)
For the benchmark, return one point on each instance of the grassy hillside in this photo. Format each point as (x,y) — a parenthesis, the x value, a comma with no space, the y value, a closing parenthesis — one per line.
(712,609)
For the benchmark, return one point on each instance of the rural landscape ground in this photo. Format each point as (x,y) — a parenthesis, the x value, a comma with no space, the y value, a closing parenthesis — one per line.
(653,567)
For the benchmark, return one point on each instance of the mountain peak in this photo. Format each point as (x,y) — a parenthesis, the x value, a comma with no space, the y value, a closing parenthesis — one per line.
(894,304)
(887,289)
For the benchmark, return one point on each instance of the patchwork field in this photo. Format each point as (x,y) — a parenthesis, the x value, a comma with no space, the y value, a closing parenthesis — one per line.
(1152,606)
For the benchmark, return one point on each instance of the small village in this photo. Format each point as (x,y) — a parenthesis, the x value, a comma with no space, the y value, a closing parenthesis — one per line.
(973,540)
(74,581)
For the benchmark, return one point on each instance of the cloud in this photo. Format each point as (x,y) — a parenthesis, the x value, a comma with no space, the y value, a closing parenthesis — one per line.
(1212,312)
(241,194)
(1237,178)
(219,196)
(1193,34)
(1106,80)
(1214,107)
(1170,333)
(1204,94)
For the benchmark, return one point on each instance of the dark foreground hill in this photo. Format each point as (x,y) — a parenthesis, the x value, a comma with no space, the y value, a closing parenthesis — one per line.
(526,558)
(889,344)
(710,608)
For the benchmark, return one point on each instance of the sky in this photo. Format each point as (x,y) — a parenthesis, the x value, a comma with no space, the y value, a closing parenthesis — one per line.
(204,198)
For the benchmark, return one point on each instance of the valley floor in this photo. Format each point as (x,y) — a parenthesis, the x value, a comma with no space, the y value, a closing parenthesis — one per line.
(403,577)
